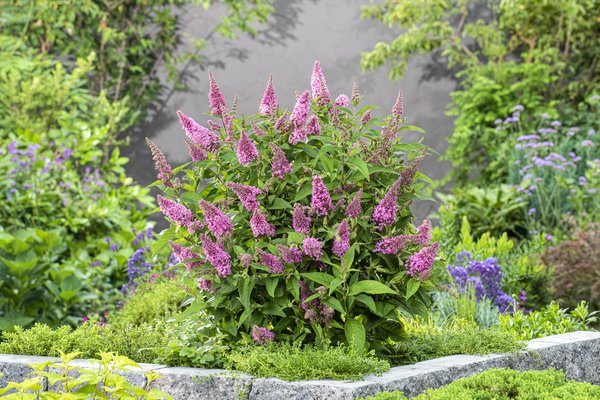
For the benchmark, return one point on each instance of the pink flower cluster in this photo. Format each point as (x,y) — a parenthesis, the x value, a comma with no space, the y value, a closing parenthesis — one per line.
(160,163)
(341,244)
(246,151)
(176,212)
(184,254)
(247,194)
(215,96)
(321,200)
(268,104)
(218,223)
(199,134)
(312,248)
(420,264)
(260,226)
(270,261)
(319,85)
(262,336)
(290,255)
(386,211)
(301,221)
(394,244)
(300,112)
(280,165)
(354,209)
(217,256)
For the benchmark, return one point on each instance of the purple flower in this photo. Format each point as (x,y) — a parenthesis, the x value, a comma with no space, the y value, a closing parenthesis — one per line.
(341,243)
(591,132)
(246,151)
(518,107)
(342,101)
(280,123)
(301,221)
(215,96)
(260,226)
(423,236)
(257,131)
(205,285)
(160,163)
(268,104)
(587,143)
(199,134)
(305,293)
(392,245)
(312,248)
(385,212)
(95,263)
(184,254)
(218,223)
(300,112)
(114,247)
(319,85)
(290,255)
(355,98)
(217,256)
(195,152)
(280,165)
(531,211)
(270,261)
(354,208)
(398,108)
(321,200)
(247,194)
(262,335)
(420,264)
(555,123)
(312,126)
(176,212)
(245,259)
(366,117)
(300,134)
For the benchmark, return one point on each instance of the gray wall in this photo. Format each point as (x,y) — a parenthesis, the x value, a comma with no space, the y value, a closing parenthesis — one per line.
(298,33)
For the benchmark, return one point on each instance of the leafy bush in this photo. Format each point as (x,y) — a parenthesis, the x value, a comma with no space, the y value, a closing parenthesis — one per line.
(133,41)
(504,53)
(550,320)
(503,384)
(451,304)
(102,383)
(294,363)
(576,264)
(350,257)
(556,169)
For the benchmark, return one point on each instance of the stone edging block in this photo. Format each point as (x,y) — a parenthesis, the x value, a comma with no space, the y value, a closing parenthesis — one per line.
(576,353)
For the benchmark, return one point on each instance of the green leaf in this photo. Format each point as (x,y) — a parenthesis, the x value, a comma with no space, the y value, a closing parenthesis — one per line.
(371,287)
(273,309)
(348,258)
(412,287)
(163,240)
(361,167)
(368,301)
(304,192)
(246,286)
(320,277)
(335,283)
(271,284)
(335,304)
(355,335)
(411,128)
(279,204)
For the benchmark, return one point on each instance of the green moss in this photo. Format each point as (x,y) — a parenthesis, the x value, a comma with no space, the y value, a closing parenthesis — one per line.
(293,363)
(426,341)
(503,384)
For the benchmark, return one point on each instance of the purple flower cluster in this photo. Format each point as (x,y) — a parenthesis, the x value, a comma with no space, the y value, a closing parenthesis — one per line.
(290,255)
(165,172)
(270,261)
(315,311)
(341,244)
(485,277)
(300,220)
(217,256)
(218,223)
(260,226)
(300,112)
(246,151)
(420,264)
(199,134)
(176,212)
(354,209)
(321,200)
(184,254)
(386,211)
(268,103)
(247,194)
(261,335)
(215,96)
(319,85)
(280,165)
(312,248)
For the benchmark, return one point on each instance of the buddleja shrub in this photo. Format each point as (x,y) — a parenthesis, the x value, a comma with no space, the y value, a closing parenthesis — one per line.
(298,225)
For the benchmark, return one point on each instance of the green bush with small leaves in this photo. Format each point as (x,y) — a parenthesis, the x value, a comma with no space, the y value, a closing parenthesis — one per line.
(290,362)
(506,384)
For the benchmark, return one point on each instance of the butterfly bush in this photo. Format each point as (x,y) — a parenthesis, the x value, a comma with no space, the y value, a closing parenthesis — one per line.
(297,224)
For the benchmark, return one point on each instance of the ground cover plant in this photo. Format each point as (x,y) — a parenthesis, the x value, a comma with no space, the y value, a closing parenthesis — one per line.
(318,250)
(503,384)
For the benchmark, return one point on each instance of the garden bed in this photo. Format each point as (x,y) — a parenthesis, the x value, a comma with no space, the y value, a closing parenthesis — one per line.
(575,353)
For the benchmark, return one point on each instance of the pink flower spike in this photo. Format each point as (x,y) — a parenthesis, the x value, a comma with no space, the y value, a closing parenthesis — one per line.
(321,200)
(300,112)
(268,104)
(398,108)
(199,134)
(247,194)
(289,254)
(319,85)
(270,261)
(355,93)
(301,221)
(312,126)
(312,248)
(217,256)
(262,335)
(355,208)
(419,265)
(205,285)
(342,101)
(341,244)
(218,223)
(215,96)
(176,212)
(280,165)
(300,134)
(392,245)
(257,131)
(246,151)
(386,211)
(260,226)
(280,123)
(160,163)
(423,236)
(366,117)
(184,254)
(195,152)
